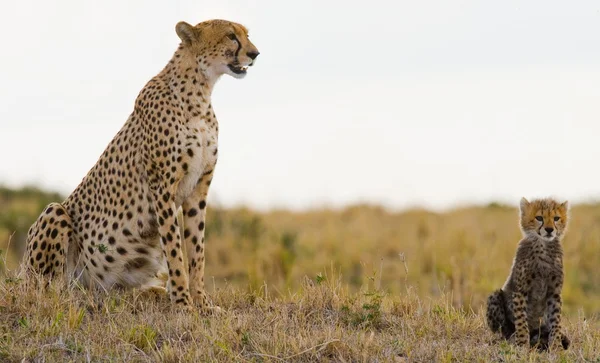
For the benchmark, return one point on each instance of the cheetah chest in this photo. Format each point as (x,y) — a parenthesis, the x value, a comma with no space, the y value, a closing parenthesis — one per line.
(539,288)
(200,156)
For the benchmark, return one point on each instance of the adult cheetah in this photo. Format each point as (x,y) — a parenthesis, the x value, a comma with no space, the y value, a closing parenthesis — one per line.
(119,226)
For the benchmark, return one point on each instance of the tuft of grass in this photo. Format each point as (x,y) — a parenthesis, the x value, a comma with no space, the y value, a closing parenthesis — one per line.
(366,314)
(143,337)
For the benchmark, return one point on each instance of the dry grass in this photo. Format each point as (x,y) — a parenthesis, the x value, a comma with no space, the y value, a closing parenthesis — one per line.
(409,286)
(321,321)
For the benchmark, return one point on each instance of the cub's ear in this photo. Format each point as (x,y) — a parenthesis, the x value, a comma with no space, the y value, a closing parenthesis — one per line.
(524,204)
(187,33)
(565,205)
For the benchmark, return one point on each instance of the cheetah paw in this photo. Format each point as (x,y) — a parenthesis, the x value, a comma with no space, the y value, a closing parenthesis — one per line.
(157,292)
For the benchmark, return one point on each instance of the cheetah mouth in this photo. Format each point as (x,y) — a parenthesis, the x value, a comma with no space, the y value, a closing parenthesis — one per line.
(237,69)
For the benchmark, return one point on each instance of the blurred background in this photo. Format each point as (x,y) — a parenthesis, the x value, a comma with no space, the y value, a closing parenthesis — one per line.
(389,141)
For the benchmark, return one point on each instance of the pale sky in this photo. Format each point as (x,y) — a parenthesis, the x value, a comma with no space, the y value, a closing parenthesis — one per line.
(402,103)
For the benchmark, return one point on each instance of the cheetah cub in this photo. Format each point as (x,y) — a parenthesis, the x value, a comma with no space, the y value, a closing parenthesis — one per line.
(529,304)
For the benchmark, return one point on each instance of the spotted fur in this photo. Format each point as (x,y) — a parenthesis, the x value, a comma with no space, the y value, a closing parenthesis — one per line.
(119,227)
(528,307)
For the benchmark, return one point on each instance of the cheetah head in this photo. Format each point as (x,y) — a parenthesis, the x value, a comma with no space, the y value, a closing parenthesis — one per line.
(219,47)
(545,218)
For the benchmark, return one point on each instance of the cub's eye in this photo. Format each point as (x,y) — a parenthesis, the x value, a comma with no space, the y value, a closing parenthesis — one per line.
(556,219)
(232,36)
(539,218)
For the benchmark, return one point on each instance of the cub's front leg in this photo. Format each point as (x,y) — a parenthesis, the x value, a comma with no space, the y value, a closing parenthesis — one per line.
(519,301)
(520,314)
(557,338)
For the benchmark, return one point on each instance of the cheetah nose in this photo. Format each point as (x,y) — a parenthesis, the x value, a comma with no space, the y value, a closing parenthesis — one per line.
(253,54)
(549,230)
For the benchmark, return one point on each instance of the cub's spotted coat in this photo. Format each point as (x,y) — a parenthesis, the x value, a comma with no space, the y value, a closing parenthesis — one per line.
(529,304)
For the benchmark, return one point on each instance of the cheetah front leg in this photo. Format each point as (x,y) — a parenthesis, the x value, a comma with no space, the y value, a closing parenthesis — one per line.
(557,338)
(170,237)
(194,216)
(519,302)
(520,313)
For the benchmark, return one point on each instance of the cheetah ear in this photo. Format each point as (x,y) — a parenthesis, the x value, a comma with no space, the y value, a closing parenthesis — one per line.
(524,204)
(565,205)
(186,32)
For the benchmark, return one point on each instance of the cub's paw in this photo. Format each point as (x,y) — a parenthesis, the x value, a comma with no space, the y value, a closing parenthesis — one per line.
(564,342)
(216,310)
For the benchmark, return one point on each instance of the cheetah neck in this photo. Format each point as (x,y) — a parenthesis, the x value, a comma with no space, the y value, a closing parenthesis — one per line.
(545,247)
(189,82)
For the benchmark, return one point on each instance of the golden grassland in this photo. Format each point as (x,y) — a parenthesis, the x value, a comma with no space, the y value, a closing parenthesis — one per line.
(361,283)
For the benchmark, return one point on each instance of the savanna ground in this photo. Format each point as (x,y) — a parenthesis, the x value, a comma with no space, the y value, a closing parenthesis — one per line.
(358,284)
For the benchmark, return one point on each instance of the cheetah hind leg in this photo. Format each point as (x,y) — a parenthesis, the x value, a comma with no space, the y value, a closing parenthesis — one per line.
(497,318)
(48,242)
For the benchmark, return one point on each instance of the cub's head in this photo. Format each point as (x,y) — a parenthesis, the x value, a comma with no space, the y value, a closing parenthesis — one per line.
(545,218)
(218,46)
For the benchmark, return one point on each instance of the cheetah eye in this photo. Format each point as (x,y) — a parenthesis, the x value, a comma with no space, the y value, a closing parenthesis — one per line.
(232,37)
(539,218)
(556,219)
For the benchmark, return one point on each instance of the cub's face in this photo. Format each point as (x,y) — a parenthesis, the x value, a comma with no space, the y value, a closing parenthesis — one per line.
(545,218)
(219,47)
